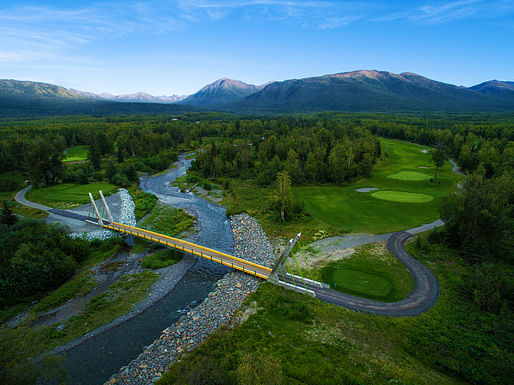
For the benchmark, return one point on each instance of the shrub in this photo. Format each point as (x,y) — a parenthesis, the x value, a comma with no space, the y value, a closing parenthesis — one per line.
(490,286)
(161,258)
(121,180)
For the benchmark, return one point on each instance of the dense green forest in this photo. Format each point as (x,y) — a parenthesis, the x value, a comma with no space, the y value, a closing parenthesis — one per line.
(322,149)
(312,148)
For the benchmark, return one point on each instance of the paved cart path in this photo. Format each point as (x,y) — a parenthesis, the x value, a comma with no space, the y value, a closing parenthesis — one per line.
(424,295)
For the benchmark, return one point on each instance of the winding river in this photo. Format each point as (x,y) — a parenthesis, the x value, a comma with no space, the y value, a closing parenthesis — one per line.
(95,360)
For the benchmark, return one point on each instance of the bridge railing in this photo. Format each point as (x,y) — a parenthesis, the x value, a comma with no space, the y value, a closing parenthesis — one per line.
(197,246)
(141,233)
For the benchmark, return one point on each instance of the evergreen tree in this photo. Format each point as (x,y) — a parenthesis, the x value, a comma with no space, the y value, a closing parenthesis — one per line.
(7,217)
(94,156)
(438,157)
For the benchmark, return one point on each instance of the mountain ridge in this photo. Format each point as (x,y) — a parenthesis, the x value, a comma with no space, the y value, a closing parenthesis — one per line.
(368,91)
(354,91)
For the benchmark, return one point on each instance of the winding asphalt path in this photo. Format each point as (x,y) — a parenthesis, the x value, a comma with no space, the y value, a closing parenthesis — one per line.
(422,298)
(20,198)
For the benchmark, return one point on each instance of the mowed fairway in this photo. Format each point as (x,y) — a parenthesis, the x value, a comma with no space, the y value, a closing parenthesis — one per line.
(398,177)
(75,154)
(68,195)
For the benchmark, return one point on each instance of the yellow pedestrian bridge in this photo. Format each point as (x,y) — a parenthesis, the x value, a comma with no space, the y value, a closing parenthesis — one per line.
(97,216)
(189,247)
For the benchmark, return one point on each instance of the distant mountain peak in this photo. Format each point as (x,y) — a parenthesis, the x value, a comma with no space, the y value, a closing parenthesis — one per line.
(496,88)
(220,92)
(228,84)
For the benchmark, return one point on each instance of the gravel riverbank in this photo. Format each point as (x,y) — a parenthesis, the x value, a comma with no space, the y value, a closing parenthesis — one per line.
(168,278)
(195,326)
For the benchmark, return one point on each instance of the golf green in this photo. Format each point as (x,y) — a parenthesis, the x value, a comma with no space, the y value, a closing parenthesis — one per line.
(409,175)
(402,196)
(364,283)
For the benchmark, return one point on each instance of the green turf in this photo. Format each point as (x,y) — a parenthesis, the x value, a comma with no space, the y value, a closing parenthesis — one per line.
(410,175)
(75,154)
(361,282)
(341,207)
(401,196)
(372,272)
(69,195)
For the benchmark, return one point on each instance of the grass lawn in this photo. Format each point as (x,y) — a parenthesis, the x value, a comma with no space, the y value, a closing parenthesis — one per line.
(406,198)
(75,154)
(372,272)
(247,196)
(69,195)
(290,338)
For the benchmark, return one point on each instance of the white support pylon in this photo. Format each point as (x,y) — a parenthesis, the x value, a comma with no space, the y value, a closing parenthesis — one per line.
(100,221)
(106,207)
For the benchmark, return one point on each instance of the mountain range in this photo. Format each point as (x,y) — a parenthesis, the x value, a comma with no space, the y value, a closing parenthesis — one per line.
(357,91)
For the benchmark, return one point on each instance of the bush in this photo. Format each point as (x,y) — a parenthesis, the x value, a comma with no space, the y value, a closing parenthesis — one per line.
(260,367)
(491,287)
(81,177)
(121,180)
(10,182)
(190,178)
(161,258)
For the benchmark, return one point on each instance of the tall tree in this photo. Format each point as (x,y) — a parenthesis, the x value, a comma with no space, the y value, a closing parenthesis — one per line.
(438,157)
(285,196)
(94,156)
(44,163)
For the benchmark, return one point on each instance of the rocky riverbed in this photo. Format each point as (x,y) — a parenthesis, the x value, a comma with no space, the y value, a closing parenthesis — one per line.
(216,310)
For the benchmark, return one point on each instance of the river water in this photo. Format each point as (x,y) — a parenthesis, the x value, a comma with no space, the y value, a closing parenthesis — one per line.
(95,360)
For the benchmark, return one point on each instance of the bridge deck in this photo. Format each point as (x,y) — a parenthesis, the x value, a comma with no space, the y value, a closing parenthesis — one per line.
(188,247)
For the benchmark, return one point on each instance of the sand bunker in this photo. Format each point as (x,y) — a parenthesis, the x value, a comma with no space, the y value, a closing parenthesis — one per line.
(366,189)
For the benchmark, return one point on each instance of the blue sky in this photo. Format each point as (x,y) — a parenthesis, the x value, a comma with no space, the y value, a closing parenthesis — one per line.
(177,46)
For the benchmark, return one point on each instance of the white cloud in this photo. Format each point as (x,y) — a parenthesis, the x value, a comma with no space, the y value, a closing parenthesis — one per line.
(445,12)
